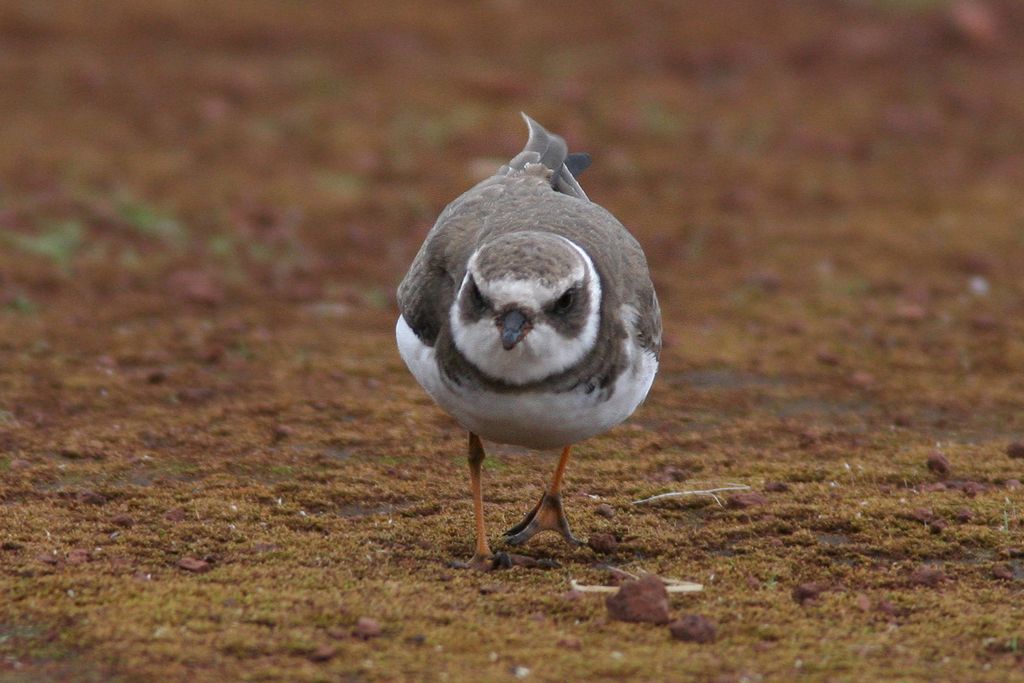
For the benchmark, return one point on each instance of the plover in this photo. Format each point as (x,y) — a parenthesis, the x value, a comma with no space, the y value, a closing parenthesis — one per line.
(529,316)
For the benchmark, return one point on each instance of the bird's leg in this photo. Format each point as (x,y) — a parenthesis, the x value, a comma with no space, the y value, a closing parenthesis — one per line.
(483,558)
(548,514)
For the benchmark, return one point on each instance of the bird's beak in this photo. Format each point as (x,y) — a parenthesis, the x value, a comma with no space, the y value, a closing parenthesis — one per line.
(513,325)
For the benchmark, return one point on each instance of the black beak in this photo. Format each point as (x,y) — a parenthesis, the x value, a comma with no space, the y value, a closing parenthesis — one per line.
(514,326)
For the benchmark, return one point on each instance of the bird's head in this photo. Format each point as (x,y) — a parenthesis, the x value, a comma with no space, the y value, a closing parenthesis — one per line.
(528,307)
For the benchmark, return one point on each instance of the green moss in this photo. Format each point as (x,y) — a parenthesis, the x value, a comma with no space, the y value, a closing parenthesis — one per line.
(58,242)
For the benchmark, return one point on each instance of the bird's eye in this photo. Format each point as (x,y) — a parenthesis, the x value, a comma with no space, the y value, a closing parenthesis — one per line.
(564,302)
(478,299)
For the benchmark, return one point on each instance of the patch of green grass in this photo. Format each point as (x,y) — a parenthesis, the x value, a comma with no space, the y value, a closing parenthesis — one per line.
(242,350)
(150,221)
(22,304)
(222,246)
(59,242)
(347,187)
(660,121)
(494,465)
(377,298)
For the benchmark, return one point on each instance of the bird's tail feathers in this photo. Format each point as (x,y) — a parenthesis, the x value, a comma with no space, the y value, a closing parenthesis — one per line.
(546,148)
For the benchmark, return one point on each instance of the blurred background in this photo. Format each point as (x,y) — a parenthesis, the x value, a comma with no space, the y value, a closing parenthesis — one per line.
(302,149)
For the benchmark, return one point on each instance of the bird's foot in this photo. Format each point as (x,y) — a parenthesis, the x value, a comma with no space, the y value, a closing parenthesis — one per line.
(490,562)
(547,515)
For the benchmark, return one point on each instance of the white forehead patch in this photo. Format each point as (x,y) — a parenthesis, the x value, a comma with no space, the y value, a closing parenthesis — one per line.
(531,294)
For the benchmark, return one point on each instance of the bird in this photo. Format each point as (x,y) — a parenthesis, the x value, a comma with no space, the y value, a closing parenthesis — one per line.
(529,315)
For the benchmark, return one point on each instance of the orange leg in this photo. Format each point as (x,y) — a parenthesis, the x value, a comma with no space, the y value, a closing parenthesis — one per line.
(548,514)
(482,558)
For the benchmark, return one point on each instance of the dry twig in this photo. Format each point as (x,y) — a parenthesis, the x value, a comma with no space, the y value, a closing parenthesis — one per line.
(705,492)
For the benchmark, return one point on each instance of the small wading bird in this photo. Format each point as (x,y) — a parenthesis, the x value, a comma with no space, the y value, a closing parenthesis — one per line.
(529,316)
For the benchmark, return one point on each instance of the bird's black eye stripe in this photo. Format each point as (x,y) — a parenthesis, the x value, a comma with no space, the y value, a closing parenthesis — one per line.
(479,300)
(564,302)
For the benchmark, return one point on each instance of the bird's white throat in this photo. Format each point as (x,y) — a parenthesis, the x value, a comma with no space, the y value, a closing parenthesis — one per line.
(544,351)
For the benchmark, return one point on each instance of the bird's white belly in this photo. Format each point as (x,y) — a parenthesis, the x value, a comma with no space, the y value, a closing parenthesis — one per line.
(531,419)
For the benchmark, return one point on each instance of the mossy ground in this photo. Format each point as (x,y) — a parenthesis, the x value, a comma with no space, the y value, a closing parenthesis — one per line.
(204,210)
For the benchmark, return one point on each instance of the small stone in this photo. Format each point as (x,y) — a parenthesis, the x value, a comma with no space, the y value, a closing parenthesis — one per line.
(927,576)
(862,379)
(1002,571)
(196,286)
(742,501)
(765,280)
(212,354)
(323,653)
(175,515)
(887,608)
(90,451)
(694,628)
(367,628)
(337,632)
(974,23)
(753,583)
(909,313)
(90,498)
(570,643)
(48,558)
(776,487)
(122,521)
(809,591)
(809,438)
(1015,449)
(984,323)
(972,488)
(509,560)
(937,526)
(19,464)
(605,510)
(924,515)
(603,543)
(641,600)
(195,395)
(827,358)
(938,463)
(281,432)
(863,602)
(79,556)
(964,515)
(1012,484)
(194,564)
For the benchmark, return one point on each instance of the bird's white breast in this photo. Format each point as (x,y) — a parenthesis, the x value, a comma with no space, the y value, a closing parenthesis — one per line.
(534,419)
